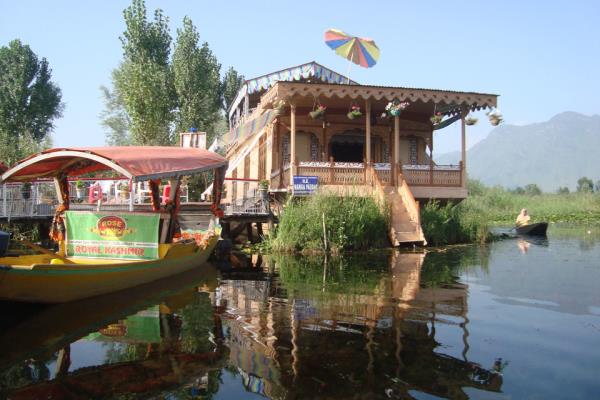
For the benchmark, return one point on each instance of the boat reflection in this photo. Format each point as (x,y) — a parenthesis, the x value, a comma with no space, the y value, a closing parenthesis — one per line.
(174,345)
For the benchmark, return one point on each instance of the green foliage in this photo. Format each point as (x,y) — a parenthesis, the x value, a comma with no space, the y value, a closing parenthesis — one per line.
(351,222)
(532,189)
(145,77)
(114,117)
(585,184)
(154,96)
(29,102)
(563,190)
(232,82)
(498,206)
(449,224)
(196,71)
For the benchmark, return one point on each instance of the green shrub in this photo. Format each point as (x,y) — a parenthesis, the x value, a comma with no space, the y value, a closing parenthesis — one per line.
(352,223)
(450,224)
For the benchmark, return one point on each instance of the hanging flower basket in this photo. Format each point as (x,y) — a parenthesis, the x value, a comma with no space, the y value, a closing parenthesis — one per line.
(436,119)
(471,120)
(395,108)
(318,112)
(279,107)
(495,117)
(354,112)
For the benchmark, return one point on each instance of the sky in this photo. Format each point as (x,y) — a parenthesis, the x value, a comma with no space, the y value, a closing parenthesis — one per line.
(542,58)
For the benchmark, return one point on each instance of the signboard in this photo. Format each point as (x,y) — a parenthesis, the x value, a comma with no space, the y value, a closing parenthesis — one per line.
(105,235)
(305,185)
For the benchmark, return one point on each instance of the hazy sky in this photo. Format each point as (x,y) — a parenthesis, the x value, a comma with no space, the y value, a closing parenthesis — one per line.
(542,57)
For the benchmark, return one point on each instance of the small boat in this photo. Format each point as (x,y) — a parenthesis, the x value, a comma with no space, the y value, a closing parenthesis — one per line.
(538,229)
(101,252)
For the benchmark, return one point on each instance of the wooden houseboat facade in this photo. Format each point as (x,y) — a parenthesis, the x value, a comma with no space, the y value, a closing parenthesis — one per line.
(311,122)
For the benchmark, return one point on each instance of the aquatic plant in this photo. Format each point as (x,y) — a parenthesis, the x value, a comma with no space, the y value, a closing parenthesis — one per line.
(351,222)
(450,224)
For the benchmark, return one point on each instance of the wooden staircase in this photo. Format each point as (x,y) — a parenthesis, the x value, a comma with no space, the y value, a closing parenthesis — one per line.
(405,219)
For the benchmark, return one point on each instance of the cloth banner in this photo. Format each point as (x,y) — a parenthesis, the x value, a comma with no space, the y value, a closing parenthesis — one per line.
(107,235)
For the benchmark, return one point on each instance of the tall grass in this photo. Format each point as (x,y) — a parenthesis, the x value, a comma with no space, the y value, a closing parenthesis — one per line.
(499,206)
(351,223)
(450,224)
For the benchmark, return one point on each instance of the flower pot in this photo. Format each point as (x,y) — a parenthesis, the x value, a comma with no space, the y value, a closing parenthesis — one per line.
(495,121)
(278,112)
(471,121)
(354,114)
(316,114)
(395,112)
(79,193)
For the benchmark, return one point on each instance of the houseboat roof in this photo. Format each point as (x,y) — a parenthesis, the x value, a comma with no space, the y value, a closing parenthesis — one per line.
(302,72)
(133,162)
(450,98)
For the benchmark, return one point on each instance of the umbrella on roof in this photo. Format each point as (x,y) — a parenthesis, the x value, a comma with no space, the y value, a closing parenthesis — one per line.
(361,51)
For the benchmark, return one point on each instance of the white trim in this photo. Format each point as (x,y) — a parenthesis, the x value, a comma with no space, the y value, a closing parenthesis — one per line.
(66,153)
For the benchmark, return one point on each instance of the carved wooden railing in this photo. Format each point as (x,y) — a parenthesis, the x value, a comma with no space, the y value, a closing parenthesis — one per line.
(333,173)
(412,206)
(341,173)
(436,175)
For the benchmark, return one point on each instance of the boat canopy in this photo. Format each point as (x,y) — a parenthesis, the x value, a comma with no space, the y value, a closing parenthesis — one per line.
(138,163)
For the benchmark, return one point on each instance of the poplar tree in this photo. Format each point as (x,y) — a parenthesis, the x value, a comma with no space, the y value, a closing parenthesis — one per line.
(197,83)
(145,78)
(232,83)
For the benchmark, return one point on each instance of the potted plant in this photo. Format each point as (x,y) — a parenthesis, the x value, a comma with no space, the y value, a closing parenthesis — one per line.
(79,187)
(318,112)
(471,120)
(395,108)
(495,117)
(279,107)
(436,119)
(354,112)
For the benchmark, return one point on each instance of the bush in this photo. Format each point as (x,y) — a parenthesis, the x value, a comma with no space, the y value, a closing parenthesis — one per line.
(352,223)
(450,224)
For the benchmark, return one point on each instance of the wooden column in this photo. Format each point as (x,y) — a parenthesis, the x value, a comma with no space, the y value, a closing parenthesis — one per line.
(396,163)
(463,142)
(368,132)
(292,143)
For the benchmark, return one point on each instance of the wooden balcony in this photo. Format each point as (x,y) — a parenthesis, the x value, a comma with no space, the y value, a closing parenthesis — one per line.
(344,173)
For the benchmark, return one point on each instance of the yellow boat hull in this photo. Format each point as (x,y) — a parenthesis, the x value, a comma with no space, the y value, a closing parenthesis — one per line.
(46,281)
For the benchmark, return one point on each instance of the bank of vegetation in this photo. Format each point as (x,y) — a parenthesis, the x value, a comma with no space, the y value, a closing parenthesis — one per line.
(329,223)
(486,207)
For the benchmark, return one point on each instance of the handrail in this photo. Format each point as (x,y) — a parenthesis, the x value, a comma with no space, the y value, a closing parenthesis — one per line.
(412,206)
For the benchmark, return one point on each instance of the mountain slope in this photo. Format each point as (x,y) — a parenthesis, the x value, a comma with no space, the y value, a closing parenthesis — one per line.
(551,154)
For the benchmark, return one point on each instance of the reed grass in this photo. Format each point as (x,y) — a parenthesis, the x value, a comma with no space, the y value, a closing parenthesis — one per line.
(351,223)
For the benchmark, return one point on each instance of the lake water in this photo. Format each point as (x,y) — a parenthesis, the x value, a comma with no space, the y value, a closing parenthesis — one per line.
(514,319)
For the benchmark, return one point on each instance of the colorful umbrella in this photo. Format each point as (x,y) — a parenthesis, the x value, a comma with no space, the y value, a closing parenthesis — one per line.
(361,51)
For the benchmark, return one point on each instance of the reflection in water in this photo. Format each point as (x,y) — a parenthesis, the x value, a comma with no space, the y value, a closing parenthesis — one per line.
(456,323)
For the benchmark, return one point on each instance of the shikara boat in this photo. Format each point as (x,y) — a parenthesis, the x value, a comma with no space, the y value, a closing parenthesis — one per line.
(538,229)
(102,252)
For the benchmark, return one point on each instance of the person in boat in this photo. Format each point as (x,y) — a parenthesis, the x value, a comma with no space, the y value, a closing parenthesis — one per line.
(523,218)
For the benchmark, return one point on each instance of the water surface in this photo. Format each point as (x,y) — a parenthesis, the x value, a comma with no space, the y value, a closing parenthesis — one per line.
(515,319)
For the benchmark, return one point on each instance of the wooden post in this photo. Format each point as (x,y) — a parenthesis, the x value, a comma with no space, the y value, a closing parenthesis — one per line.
(130,195)
(331,163)
(463,131)
(292,143)
(4,200)
(431,161)
(368,132)
(324,145)
(396,146)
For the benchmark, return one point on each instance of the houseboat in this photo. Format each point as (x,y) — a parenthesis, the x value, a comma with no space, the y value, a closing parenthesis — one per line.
(308,127)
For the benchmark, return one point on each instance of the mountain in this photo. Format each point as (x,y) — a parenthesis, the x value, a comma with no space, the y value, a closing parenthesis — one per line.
(550,154)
